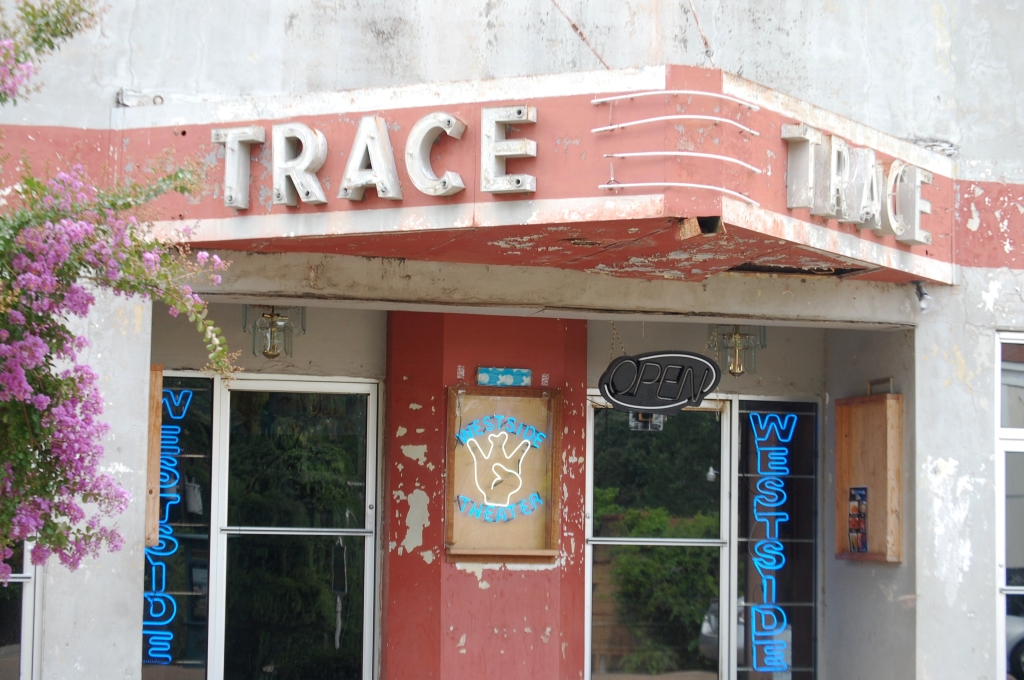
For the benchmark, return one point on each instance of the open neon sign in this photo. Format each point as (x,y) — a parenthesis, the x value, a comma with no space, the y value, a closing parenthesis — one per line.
(771,435)
(161,608)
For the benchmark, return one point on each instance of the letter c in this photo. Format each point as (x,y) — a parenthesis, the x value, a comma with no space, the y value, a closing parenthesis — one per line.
(417,154)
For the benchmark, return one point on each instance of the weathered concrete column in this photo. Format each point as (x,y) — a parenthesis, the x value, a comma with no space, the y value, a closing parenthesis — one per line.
(91,619)
(954,476)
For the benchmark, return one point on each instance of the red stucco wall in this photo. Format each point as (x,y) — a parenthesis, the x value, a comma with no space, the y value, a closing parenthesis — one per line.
(524,622)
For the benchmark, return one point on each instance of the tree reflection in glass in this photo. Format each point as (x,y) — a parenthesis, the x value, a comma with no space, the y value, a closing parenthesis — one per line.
(297,460)
(295,602)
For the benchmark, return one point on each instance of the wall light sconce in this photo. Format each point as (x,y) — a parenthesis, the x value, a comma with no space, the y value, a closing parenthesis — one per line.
(272,328)
(924,300)
(737,346)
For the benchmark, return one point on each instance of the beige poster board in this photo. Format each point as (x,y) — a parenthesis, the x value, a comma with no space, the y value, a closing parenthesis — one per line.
(504,448)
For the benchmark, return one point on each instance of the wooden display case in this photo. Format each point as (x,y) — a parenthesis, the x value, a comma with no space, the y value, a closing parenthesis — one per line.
(869,473)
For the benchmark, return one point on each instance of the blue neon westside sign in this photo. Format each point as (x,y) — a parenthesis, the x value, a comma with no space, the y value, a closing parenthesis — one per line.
(771,435)
(161,608)
(498,467)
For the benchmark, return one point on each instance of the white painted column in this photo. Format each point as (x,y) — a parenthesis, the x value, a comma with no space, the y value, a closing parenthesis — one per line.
(91,619)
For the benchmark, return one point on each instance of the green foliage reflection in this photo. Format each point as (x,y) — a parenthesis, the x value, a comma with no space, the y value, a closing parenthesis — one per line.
(297,460)
(654,485)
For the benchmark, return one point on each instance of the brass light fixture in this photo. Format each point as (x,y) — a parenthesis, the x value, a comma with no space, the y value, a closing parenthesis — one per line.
(272,328)
(737,346)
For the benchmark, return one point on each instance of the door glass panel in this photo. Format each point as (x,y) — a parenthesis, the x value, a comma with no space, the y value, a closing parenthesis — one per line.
(652,609)
(1012,386)
(294,608)
(1015,562)
(776,551)
(657,478)
(297,460)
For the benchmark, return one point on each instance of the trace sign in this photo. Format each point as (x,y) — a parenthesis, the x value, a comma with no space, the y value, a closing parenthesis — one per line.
(659,382)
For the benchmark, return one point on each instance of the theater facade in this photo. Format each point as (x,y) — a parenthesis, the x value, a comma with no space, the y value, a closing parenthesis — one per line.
(608,375)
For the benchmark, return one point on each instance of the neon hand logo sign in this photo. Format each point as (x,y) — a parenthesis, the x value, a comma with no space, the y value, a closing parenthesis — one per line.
(498,472)
(503,482)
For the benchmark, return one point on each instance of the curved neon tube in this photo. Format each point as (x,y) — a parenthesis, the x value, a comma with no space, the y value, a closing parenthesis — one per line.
(690,154)
(684,185)
(683,116)
(696,93)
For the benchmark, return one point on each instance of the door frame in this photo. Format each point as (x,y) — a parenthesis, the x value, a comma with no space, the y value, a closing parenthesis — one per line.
(726,540)
(219,531)
(728,615)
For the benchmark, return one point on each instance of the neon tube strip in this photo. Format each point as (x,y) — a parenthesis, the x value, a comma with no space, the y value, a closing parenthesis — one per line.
(644,121)
(768,620)
(690,93)
(689,154)
(684,185)
(160,606)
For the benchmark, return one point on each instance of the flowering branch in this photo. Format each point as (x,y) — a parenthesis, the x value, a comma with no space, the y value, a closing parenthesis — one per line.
(57,235)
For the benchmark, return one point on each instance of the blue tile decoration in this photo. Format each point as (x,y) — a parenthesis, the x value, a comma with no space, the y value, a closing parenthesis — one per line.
(504,377)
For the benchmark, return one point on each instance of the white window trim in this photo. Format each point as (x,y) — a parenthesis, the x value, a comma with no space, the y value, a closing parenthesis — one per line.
(31,592)
(1007,439)
(219,531)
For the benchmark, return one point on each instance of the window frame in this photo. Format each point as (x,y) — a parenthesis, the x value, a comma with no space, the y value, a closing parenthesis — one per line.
(31,593)
(220,530)
(1007,439)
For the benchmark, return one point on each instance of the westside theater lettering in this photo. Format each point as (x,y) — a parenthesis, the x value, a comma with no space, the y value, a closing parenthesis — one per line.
(772,434)
(161,608)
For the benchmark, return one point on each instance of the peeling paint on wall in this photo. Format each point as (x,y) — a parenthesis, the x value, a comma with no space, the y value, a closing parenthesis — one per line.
(417,518)
(951,502)
(417,452)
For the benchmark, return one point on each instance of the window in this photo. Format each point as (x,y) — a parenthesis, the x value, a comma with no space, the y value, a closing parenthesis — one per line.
(177,599)
(702,542)
(1010,498)
(776,540)
(282,587)
(17,604)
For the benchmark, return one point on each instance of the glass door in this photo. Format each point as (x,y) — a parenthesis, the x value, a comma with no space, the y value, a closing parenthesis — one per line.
(1012,562)
(296,531)
(658,526)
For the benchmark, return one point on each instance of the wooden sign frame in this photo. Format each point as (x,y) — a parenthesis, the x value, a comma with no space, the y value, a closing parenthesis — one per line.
(478,531)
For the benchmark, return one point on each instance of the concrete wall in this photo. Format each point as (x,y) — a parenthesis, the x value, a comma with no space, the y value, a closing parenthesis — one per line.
(338,342)
(792,365)
(868,609)
(92,618)
(946,71)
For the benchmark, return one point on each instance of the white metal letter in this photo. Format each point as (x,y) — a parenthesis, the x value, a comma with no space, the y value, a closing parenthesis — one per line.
(862,193)
(494,149)
(804,148)
(901,211)
(299,151)
(236,143)
(371,163)
(417,154)
(831,170)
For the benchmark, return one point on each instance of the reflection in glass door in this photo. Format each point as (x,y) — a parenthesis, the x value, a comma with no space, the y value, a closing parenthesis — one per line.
(296,532)
(659,524)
